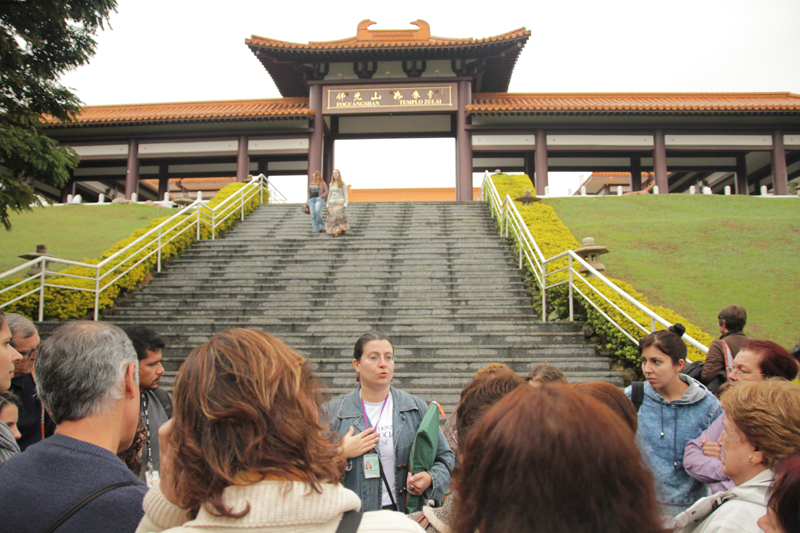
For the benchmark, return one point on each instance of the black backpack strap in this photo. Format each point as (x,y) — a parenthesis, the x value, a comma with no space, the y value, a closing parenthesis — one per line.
(81,504)
(386,483)
(349,522)
(166,400)
(637,394)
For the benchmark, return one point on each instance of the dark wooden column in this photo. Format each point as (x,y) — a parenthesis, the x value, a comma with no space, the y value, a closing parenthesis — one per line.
(242,160)
(636,173)
(541,162)
(316,145)
(741,175)
(328,157)
(68,189)
(163,181)
(132,175)
(660,162)
(463,144)
(263,165)
(780,179)
(530,166)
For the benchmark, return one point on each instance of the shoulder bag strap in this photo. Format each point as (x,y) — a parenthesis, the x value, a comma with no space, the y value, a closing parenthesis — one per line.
(349,522)
(637,394)
(728,358)
(165,399)
(386,483)
(81,504)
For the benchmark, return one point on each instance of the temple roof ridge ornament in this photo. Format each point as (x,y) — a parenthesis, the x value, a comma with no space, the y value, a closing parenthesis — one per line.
(421,34)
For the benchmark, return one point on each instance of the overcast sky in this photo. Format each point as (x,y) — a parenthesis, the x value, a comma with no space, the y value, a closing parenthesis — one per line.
(177,50)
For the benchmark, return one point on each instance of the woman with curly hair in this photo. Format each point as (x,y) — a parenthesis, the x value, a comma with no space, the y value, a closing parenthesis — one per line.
(246,450)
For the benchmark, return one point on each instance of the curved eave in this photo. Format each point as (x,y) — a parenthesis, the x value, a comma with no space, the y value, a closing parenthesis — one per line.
(146,121)
(472,111)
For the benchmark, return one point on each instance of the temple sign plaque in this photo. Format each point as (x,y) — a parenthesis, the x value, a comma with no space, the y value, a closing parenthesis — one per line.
(394,99)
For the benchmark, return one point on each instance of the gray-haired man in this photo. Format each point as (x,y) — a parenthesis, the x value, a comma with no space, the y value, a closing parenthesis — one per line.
(86,375)
(34,423)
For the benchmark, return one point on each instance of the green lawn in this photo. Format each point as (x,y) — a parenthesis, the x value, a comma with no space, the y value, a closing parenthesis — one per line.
(697,254)
(74,232)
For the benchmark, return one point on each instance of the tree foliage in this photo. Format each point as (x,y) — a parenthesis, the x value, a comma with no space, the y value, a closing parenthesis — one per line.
(39,41)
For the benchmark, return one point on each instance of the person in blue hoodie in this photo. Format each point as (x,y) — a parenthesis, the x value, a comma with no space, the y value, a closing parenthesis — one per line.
(674,409)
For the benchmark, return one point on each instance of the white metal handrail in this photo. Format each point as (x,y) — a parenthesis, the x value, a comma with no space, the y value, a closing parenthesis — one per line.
(530,255)
(151,243)
(275,196)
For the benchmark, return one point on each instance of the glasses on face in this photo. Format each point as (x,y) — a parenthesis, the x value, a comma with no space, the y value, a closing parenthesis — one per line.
(28,354)
(375,358)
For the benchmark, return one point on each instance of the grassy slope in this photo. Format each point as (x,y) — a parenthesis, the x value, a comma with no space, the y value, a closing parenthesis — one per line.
(697,254)
(72,232)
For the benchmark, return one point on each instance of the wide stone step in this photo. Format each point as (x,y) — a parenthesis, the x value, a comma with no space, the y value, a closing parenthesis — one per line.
(212,313)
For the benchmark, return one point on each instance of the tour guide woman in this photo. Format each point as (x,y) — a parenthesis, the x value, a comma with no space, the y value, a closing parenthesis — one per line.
(377,424)
(675,408)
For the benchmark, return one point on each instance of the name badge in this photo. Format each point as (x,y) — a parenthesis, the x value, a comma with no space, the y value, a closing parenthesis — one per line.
(372,468)
(151,478)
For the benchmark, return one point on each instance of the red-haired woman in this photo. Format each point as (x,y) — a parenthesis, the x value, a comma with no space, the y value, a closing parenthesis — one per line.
(783,509)
(756,361)
(246,450)
(551,460)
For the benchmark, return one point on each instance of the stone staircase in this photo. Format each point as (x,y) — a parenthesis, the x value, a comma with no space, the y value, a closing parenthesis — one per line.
(435,277)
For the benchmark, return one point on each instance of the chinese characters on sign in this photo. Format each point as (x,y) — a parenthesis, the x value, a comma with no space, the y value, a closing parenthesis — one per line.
(350,99)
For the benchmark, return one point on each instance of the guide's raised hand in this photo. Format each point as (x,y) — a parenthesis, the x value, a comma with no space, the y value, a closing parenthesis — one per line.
(357,445)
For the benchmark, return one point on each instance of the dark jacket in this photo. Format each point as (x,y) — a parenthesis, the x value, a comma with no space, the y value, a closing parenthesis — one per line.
(30,415)
(344,412)
(715,360)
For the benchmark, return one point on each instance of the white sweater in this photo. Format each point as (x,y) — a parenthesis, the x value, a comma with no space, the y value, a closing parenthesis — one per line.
(298,510)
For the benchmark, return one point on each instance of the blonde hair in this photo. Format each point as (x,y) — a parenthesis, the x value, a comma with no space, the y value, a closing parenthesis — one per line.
(316,178)
(338,181)
(768,415)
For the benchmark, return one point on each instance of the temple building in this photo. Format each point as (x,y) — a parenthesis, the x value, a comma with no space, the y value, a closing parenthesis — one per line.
(411,84)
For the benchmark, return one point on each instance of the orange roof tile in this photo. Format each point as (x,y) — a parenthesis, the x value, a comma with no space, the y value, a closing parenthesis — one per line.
(633,103)
(176,112)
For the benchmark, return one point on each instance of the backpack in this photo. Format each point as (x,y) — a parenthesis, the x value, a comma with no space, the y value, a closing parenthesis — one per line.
(695,369)
(165,399)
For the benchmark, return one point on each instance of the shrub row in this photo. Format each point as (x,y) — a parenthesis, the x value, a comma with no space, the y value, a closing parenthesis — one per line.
(553,238)
(64,304)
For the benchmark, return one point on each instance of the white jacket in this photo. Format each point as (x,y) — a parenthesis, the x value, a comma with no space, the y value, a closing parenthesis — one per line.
(273,509)
(732,511)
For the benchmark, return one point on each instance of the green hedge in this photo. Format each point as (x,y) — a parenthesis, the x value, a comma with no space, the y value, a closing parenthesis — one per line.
(553,238)
(64,304)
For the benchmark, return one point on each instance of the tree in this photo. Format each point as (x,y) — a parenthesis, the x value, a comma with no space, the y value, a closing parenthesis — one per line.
(39,41)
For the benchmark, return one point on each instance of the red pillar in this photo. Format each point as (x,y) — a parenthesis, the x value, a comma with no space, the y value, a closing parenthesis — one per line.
(541,161)
(660,163)
(780,178)
(163,181)
(636,174)
(242,160)
(463,144)
(132,175)
(316,144)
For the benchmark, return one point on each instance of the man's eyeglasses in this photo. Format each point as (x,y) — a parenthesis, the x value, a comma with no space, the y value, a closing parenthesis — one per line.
(28,354)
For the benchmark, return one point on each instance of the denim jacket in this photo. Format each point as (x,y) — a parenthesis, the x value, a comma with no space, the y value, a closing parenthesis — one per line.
(344,412)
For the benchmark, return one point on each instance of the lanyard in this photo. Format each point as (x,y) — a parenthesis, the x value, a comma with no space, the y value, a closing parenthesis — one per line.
(149,466)
(364,410)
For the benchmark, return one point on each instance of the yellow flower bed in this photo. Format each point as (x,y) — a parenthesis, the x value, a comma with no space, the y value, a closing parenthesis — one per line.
(64,304)
(553,238)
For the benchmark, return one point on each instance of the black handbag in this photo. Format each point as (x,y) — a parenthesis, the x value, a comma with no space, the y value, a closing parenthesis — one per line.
(305,209)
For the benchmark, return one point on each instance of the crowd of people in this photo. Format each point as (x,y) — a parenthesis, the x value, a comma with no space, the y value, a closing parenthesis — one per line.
(90,442)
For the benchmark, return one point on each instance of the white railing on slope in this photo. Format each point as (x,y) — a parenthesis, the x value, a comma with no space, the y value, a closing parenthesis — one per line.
(506,212)
(275,196)
(158,237)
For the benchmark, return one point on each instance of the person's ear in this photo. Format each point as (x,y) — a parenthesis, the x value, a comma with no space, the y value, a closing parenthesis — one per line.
(757,457)
(131,388)
(356,364)
(680,365)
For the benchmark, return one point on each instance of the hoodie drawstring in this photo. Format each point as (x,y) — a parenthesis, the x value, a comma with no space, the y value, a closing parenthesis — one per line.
(674,435)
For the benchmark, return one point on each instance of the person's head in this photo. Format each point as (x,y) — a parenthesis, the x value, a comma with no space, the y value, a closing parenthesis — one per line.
(759,360)
(373,360)
(550,459)
(9,357)
(316,177)
(663,355)
(89,369)
(762,426)
(336,177)
(613,397)
(9,412)
(545,373)
(479,395)
(492,369)
(24,339)
(731,319)
(148,345)
(247,406)
(783,509)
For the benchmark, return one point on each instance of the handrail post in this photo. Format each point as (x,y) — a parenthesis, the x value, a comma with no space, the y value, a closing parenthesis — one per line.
(159,250)
(242,200)
(41,290)
(198,222)
(544,293)
(520,251)
(261,189)
(213,224)
(506,217)
(652,325)
(97,294)
(570,289)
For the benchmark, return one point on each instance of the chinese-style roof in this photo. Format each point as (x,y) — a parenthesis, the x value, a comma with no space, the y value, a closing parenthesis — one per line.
(511,104)
(181,112)
(285,60)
